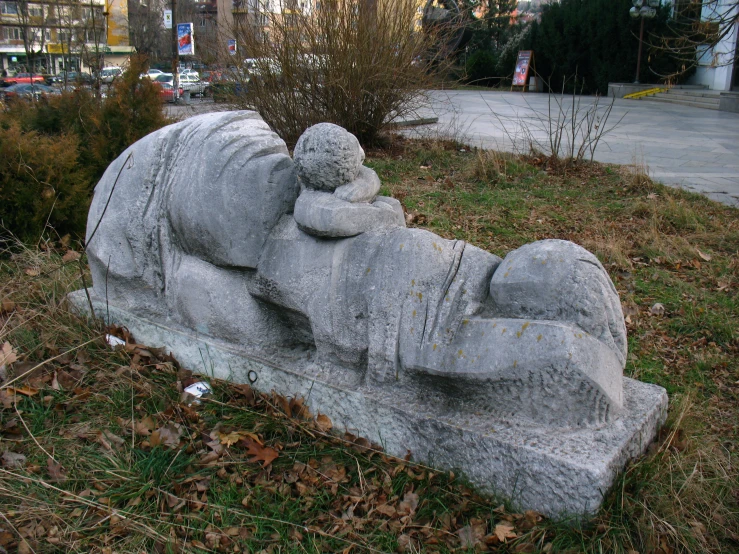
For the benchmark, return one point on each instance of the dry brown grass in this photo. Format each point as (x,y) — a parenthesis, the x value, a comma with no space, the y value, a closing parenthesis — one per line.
(682,497)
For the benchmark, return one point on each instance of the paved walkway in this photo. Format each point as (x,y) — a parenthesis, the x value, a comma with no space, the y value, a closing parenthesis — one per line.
(693,148)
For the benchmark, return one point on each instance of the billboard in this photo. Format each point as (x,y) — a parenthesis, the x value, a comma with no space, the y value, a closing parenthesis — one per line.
(521,73)
(167,19)
(185,40)
(232,46)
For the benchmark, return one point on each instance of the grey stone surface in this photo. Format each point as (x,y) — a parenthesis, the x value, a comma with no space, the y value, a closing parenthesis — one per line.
(559,472)
(560,281)
(729,102)
(327,156)
(362,189)
(391,315)
(680,146)
(325,215)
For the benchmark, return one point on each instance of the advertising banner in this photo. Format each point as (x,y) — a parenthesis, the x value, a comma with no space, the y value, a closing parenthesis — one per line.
(167,19)
(232,46)
(185,40)
(521,73)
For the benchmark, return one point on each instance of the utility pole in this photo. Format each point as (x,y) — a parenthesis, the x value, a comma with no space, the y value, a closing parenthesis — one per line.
(175,52)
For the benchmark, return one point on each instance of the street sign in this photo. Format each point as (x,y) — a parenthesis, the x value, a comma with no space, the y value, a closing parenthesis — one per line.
(167,19)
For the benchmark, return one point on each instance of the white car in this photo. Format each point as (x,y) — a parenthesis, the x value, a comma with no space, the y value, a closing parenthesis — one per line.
(108,74)
(191,72)
(152,74)
(192,82)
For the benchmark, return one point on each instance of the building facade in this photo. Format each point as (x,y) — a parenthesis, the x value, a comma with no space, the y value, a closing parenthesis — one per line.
(48,36)
(718,66)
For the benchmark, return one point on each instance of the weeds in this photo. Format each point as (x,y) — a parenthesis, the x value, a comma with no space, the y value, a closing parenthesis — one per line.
(567,133)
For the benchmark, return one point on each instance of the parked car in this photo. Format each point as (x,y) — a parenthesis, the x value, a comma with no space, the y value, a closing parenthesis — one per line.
(21,78)
(166,92)
(190,72)
(27,91)
(110,73)
(152,74)
(73,77)
(191,82)
(211,76)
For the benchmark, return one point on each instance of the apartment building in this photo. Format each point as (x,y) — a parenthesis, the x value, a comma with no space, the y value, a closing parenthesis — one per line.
(47,36)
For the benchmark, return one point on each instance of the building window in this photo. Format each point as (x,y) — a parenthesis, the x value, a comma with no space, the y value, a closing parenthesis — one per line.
(47,35)
(35,11)
(8,8)
(11,33)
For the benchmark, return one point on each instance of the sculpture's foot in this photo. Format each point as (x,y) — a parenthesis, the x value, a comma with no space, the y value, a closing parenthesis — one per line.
(548,372)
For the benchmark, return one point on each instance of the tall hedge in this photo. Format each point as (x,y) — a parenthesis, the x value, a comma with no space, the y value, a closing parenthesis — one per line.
(598,41)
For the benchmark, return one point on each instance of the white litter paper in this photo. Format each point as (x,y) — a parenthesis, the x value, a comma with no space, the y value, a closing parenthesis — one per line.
(198,389)
(114,341)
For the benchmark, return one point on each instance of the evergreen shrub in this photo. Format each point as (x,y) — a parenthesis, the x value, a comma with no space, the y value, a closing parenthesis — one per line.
(53,152)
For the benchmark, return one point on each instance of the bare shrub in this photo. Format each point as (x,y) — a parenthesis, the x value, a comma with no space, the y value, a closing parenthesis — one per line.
(357,64)
(567,132)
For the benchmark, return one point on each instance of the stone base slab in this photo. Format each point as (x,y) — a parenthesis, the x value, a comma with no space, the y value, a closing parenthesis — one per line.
(557,472)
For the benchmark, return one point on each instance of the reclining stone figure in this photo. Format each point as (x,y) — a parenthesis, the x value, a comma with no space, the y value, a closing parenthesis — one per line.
(209,225)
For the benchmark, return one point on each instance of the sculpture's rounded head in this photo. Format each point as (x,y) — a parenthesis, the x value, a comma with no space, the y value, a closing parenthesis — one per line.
(560,281)
(327,156)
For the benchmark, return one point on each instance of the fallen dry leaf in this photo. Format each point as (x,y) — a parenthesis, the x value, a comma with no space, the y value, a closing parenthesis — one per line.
(7,355)
(25,391)
(109,440)
(144,426)
(56,471)
(470,535)
(703,255)
(324,423)
(504,530)
(229,439)
(657,309)
(260,453)
(386,510)
(7,306)
(71,256)
(168,435)
(409,503)
(13,459)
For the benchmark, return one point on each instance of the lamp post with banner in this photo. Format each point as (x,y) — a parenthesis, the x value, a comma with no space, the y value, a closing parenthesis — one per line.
(643,9)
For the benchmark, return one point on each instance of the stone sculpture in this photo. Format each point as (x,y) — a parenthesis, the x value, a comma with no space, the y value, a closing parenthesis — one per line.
(208,229)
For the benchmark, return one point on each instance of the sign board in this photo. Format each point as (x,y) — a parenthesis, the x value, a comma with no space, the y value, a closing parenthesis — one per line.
(521,73)
(185,40)
(232,46)
(56,48)
(167,19)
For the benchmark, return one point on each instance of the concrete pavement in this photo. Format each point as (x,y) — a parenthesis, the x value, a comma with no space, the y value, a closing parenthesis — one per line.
(680,146)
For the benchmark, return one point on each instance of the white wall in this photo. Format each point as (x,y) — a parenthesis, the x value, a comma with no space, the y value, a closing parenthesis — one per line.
(715,64)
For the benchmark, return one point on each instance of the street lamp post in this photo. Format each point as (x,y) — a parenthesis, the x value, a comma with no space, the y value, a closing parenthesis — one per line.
(643,9)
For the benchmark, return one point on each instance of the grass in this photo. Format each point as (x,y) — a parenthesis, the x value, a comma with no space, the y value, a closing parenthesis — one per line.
(113,461)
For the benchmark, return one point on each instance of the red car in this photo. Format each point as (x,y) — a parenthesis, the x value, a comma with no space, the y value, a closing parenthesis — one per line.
(24,78)
(166,92)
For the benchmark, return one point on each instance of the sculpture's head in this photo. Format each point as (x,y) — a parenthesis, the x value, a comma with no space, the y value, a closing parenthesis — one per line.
(558,280)
(327,156)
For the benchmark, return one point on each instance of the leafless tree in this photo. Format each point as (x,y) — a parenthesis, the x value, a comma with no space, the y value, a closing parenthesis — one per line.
(33,19)
(701,25)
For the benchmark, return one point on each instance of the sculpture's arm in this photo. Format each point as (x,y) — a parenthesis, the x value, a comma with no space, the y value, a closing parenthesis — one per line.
(324,215)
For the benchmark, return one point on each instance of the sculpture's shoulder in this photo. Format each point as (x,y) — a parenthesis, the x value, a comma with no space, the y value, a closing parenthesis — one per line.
(226,163)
